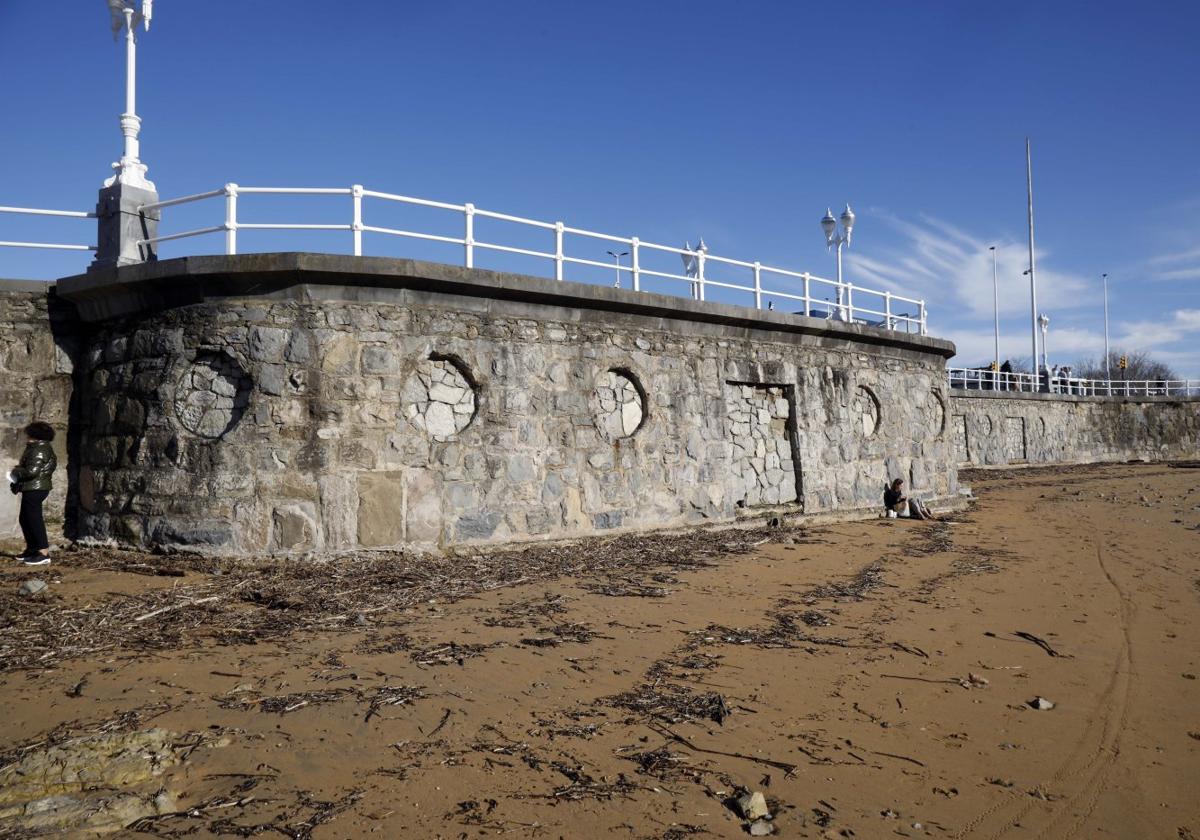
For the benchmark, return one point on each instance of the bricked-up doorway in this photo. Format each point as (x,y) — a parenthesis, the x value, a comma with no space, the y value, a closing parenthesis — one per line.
(761,424)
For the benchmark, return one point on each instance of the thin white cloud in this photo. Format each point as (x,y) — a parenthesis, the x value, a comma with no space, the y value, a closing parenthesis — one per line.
(951,268)
(1179,265)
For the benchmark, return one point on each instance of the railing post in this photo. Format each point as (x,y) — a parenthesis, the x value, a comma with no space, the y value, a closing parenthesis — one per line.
(558,250)
(231,195)
(700,272)
(887,310)
(924,326)
(357,225)
(635,245)
(757,285)
(469,235)
(807,296)
(849,303)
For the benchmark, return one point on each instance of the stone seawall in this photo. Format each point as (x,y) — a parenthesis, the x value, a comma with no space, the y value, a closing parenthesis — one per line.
(37,338)
(991,429)
(302,403)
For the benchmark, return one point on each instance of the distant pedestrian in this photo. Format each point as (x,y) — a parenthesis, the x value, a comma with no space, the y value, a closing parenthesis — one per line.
(31,478)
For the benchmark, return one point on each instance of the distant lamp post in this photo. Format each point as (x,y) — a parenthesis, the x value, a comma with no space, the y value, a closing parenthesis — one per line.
(1044,322)
(1107,367)
(617,256)
(996,308)
(692,258)
(838,238)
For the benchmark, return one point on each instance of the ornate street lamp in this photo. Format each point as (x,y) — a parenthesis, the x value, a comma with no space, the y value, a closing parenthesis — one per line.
(616,255)
(129,169)
(838,238)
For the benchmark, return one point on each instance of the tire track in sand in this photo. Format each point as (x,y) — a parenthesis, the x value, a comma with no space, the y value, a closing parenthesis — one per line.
(1086,769)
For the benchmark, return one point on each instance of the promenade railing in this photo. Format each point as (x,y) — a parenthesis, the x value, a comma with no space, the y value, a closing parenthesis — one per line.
(766,286)
(982,379)
(56,246)
(704,276)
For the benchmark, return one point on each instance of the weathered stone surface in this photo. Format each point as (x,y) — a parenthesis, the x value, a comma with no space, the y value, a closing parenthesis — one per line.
(294,527)
(381,508)
(1007,428)
(93,785)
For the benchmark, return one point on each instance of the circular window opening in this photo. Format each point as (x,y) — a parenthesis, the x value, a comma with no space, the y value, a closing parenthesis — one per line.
(440,397)
(212,395)
(867,409)
(620,404)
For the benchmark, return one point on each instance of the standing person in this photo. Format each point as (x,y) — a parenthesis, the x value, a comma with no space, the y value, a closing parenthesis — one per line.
(31,478)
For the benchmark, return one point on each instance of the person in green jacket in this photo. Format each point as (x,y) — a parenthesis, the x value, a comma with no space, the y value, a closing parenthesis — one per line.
(31,478)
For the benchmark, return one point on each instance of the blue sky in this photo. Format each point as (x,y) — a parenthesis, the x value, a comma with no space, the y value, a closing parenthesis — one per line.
(667,120)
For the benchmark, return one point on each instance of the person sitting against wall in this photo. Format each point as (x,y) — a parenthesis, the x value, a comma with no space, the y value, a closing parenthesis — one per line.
(894,500)
(897,504)
(31,478)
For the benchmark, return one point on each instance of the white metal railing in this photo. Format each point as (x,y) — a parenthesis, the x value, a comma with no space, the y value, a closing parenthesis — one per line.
(892,312)
(32,211)
(976,379)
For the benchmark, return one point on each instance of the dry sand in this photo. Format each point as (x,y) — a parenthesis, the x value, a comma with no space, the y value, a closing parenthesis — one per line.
(872,679)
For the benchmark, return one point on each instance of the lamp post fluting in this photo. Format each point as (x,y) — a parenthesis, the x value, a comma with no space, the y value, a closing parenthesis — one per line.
(835,237)
(996,310)
(616,255)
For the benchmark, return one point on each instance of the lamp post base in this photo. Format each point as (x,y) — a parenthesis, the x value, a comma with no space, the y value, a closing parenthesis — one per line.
(121,226)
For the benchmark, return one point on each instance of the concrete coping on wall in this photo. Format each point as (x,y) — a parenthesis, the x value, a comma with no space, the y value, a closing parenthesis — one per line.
(127,290)
(1035,396)
(21,287)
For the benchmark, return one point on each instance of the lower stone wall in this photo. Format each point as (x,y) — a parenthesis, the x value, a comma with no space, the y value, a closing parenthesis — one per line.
(323,416)
(37,337)
(1012,428)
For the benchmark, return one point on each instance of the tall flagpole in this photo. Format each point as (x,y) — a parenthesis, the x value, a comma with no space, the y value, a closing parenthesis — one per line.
(1033,307)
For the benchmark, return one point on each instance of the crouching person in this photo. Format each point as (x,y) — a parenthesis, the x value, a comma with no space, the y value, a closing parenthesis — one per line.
(897,504)
(31,478)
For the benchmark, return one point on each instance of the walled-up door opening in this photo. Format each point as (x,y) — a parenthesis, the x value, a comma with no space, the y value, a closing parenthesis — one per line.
(761,425)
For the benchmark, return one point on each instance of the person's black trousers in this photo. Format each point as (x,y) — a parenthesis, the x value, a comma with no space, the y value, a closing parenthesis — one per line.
(33,526)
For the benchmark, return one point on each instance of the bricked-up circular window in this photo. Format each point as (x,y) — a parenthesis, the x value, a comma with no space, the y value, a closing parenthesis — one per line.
(440,398)
(988,425)
(212,395)
(619,403)
(935,410)
(866,407)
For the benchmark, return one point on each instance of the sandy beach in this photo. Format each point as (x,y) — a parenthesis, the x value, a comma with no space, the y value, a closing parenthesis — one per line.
(1026,668)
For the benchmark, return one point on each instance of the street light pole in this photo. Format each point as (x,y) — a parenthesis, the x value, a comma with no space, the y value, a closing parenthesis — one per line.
(996,307)
(1033,307)
(129,169)
(838,238)
(1107,367)
(617,256)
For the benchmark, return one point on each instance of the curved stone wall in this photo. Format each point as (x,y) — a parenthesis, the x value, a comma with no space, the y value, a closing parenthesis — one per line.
(325,416)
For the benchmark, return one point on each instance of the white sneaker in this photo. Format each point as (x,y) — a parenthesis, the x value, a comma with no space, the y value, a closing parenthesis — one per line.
(892,514)
(36,560)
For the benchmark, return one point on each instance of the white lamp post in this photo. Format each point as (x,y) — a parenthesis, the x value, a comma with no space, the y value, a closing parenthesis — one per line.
(838,238)
(1107,369)
(693,264)
(130,170)
(617,256)
(126,221)
(1043,321)
(996,309)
